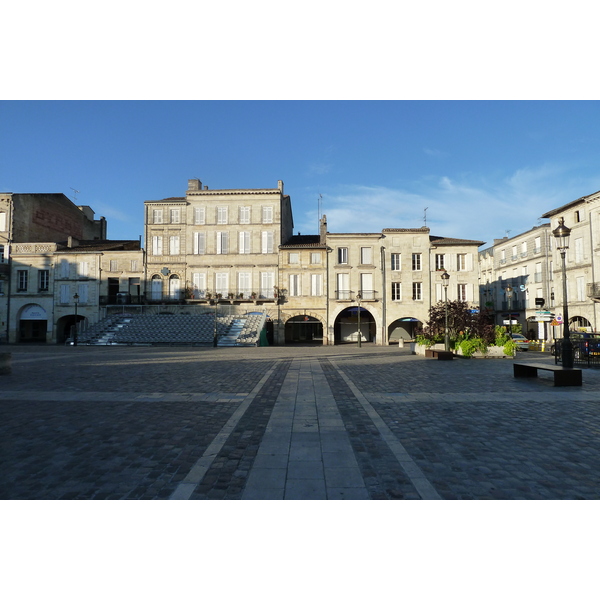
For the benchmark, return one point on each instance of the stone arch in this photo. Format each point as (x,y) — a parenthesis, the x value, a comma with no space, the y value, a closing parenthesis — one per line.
(403,328)
(303,327)
(32,321)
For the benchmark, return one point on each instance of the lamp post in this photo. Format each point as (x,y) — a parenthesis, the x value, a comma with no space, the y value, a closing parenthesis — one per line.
(509,293)
(445,282)
(358,297)
(76,299)
(562,233)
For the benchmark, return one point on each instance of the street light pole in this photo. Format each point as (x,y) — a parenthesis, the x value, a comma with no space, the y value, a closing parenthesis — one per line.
(562,233)
(509,293)
(358,297)
(76,299)
(445,282)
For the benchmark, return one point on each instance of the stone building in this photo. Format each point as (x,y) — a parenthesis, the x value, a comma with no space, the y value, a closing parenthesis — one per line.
(582,216)
(517,281)
(31,226)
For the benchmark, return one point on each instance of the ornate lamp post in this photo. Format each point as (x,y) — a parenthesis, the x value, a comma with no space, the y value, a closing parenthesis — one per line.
(562,234)
(509,293)
(445,282)
(358,297)
(76,299)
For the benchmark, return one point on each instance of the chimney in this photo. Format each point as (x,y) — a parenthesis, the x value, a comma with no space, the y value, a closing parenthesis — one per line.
(280,186)
(72,242)
(194,185)
(323,229)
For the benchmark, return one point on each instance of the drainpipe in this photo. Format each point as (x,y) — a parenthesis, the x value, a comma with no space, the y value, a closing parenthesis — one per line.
(594,304)
(384,300)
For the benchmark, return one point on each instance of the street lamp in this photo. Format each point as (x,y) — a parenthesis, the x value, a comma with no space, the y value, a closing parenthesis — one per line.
(358,297)
(445,282)
(562,233)
(509,293)
(76,298)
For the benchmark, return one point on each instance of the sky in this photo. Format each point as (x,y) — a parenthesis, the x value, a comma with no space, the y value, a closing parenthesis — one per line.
(475,170)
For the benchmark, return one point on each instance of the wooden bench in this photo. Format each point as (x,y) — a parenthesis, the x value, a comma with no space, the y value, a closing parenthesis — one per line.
(439,354)
(562,376)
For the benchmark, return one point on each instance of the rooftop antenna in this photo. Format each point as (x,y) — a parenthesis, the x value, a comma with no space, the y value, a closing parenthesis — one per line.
(75,193)
(425,216)
(507,231)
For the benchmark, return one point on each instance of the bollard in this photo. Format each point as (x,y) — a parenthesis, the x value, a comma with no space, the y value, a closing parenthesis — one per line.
(5,358)
(401,343)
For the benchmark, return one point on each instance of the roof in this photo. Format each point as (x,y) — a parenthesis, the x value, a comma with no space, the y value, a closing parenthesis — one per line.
(406,230)
(581,200)
(303,241)
(445,241)
(171,199)
(100,246)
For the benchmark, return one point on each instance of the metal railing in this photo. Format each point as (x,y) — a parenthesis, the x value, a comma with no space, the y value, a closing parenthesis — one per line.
(586,353)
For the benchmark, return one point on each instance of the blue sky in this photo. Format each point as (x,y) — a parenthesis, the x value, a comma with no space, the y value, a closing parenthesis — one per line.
(480,168)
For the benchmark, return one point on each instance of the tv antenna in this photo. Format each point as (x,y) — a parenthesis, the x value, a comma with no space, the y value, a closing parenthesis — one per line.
(75,192)
(425,216)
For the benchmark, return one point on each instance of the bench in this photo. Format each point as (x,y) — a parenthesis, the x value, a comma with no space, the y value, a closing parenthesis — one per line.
(562,375)
(439,354)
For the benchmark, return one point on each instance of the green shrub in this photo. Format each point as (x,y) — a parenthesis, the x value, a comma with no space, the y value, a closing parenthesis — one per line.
(510,347)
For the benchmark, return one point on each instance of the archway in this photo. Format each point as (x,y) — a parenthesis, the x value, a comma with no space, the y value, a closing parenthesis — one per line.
(303,329)
(580,324)
(403,328)
(174,285)
(156,288)
(64,327)
(33,324)
(345,327)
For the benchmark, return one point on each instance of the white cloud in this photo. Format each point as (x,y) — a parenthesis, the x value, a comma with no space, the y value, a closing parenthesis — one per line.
(469,208)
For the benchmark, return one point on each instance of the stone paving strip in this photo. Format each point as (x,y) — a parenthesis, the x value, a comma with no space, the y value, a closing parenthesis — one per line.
(305,453)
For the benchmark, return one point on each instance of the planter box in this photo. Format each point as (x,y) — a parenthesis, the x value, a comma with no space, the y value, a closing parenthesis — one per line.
(493,352)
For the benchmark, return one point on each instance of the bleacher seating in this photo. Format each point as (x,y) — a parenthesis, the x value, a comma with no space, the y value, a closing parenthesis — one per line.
(175,329)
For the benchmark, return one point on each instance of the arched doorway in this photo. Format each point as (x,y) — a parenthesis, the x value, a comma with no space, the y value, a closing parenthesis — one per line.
(33,324)
(346,326)
(303,329)
(156,288)
(65,327)
(404,329)
(174,285)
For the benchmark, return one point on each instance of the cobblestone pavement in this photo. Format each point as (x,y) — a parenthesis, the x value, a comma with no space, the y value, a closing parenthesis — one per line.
(292,422)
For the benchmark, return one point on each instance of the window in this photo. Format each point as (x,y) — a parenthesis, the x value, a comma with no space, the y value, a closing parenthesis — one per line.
(221,215)
(578,216)
(267,214)
(293,258)
(2,259)
(222,283)
(22,281)
(462,292)
(417,291)
(524,249)
(440,262)
(396,290)
(343,286)
(537,245)
(199,215)
(502,256)
(157,245)
(244,242)
(396,262)
(461,262)
(366,286)
(578,249)
(134,265)
(222,242)
(514,253)
(83,293)
(199,242)
(316,285)
(267,242)
(65,293)
(580,289)
(315,258)
(64,269)
(245,284)
(294,285)
(157,216)
(267,284)
(175,215)
(173,245)
(2,221)
(43,280)
(366,256)
(113,265)
(244,215)
(82,268)
(416,262)
(342,256)
(537,277)
(199,285)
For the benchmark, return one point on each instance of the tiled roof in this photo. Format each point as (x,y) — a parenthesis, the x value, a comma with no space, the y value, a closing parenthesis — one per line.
(551,213)
(100,246)
(297,241)
(444,241)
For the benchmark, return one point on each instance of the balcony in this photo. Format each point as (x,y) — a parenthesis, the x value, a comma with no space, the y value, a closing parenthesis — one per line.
(593,291)
(350,296)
